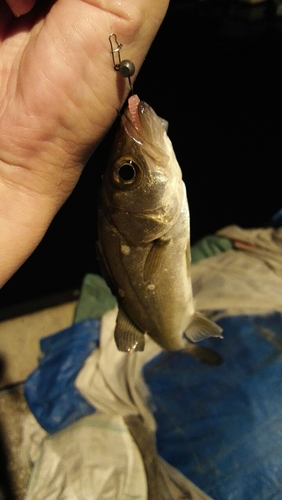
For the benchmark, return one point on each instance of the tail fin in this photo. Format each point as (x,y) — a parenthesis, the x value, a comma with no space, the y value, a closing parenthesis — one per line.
(203,354)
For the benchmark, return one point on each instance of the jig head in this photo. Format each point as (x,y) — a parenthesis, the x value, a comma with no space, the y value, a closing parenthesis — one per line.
(125,67)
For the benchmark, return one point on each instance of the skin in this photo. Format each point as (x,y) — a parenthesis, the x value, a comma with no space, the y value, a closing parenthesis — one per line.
(58,98)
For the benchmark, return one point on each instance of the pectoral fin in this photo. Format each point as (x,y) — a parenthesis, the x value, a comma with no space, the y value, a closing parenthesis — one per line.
(127,336)
(155,258)
(201,328)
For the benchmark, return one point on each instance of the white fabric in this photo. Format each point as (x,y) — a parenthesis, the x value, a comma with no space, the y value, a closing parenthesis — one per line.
(245,281)
(94,458)
(111,380)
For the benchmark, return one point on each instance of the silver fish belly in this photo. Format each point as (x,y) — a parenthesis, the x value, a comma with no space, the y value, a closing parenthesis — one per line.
(144,237)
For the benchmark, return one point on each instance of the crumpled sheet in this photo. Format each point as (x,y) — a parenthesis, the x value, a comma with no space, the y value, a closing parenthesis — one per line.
(264,244)
(93,458)
(247,280)
(111,380)
(96,457)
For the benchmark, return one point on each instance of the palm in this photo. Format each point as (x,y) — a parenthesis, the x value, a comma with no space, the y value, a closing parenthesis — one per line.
(58,97)
(59,91)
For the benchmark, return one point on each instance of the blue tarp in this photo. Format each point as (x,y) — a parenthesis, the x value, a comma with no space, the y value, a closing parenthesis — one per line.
(50,390)
(222,426)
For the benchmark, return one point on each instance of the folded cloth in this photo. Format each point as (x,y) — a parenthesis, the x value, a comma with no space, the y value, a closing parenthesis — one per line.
(264,244)
(95,298)
(244,281)
(209,246)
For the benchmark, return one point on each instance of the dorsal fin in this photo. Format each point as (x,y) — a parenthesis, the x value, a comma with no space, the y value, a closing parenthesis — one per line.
(201,328)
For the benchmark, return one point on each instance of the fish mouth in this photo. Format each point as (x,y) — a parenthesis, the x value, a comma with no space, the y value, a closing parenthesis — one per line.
(146,128)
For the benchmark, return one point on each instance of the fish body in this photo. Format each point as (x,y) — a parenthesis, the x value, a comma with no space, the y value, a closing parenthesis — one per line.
(144,237)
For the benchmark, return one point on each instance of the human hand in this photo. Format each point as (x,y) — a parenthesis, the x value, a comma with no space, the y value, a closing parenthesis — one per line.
(58,97)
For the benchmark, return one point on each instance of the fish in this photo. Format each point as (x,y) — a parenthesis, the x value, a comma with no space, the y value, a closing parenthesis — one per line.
(144,239)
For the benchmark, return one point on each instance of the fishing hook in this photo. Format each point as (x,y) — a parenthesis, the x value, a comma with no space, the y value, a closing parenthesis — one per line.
(126,67)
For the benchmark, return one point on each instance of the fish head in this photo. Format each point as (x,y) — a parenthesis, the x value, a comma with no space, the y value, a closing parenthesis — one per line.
(143,178)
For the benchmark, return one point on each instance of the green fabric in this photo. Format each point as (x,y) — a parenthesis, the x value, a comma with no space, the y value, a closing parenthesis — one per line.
(95,298)
(209,246)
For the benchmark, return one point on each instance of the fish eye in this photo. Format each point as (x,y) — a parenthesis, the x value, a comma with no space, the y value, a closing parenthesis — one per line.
(126,173)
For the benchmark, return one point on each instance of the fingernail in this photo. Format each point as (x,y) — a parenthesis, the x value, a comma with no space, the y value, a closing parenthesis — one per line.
(22,8)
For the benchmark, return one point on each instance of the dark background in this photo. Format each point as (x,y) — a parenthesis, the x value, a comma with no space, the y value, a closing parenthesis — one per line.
(214,72)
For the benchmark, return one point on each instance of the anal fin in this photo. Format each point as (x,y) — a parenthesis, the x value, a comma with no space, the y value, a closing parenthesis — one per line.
(201,328)
(127,336)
